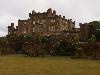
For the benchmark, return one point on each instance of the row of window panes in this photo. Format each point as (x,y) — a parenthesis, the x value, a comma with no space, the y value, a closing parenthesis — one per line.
(25,30)
(38,29)
(52,20)
(39,21)
(52,28)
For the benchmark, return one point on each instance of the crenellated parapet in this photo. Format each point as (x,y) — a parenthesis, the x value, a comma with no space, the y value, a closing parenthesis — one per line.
(49,13)
(11,28)
(45,23)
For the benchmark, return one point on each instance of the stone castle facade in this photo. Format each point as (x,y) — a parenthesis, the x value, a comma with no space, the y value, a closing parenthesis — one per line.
(46,23)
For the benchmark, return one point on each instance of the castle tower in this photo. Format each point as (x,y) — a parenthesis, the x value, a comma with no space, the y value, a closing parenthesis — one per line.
(33,12)
(83,32)
(49,12)
(11,28)
(54,13)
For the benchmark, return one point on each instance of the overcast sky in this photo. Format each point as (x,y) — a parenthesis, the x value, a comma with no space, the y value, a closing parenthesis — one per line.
(79,10)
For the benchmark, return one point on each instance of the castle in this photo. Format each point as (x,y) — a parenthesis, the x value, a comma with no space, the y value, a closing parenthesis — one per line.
(46,23)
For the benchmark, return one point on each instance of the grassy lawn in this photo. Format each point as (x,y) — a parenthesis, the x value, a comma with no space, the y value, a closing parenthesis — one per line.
(21,65)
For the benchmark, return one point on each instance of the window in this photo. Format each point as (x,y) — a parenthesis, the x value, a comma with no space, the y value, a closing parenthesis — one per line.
(54,28)
(24,22)
(8,32)
(41,29)
(33,22)
(57,24)
(49,28)
(57,29)
(44,25)
(40,21)
(52,20)
(38,29)
(25,30)
(33,29)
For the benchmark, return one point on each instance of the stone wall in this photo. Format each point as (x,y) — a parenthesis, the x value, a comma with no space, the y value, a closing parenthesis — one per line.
(84,31)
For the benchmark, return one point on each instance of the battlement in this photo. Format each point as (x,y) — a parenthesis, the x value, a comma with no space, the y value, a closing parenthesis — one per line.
(49,10)
(48,13)
(12,25)
(83,24)
(45,23)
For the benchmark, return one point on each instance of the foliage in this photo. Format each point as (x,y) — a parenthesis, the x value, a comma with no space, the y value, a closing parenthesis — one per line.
(94,29)
(34,43)
(65,47)
(92,39)
(94,25)
(3,40)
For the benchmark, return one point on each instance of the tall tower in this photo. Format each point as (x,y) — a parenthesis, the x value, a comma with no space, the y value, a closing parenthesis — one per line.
(83,32)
